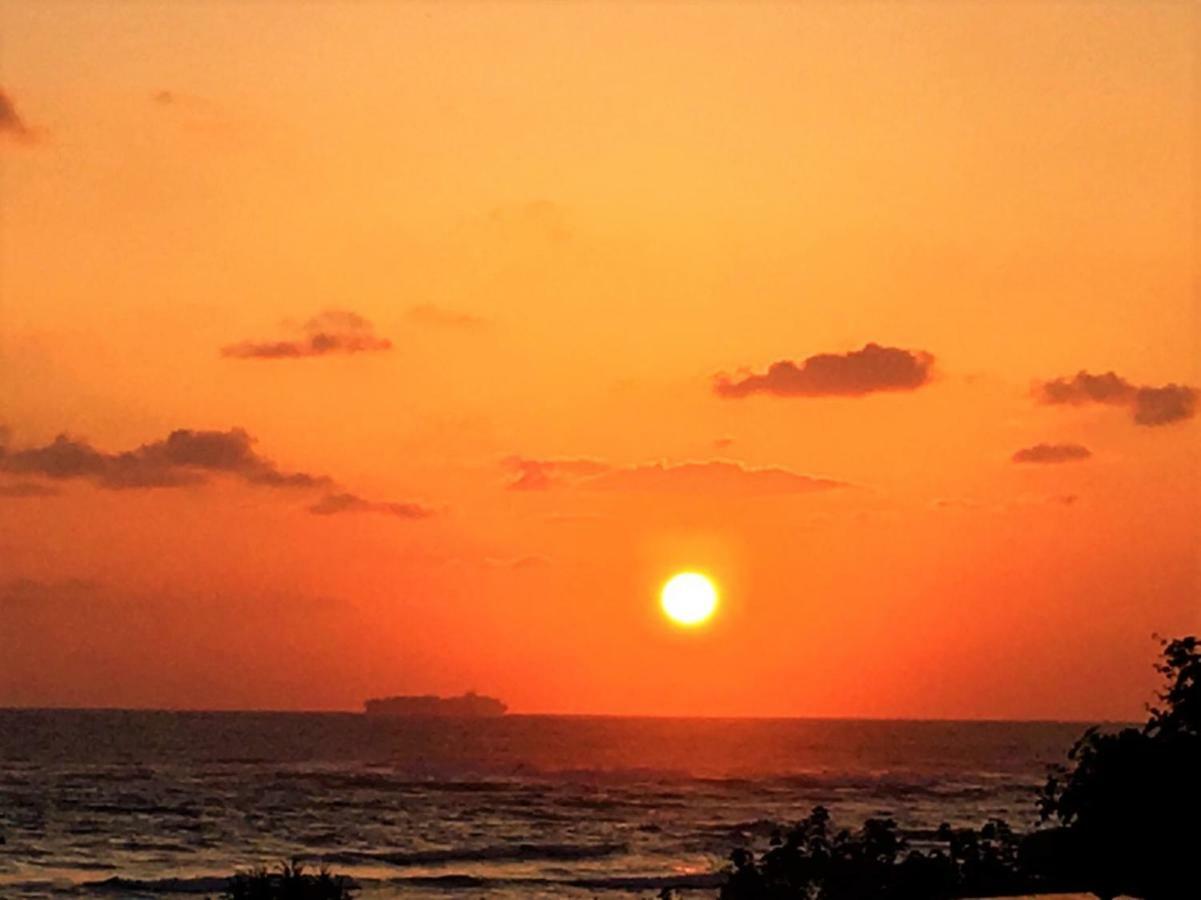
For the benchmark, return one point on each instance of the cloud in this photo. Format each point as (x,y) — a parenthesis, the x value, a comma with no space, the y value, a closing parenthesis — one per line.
(517,563)
(853,374)
(21,489)
(1026,501)
(1164,405)
(1148,405)
(437,317)
(329,332)
(11,123)
(334,504)
(954,503)
(1052,453)
(714,476)
(705,477)
(540,474)
(1086,388)
(184,457)
(1033,501)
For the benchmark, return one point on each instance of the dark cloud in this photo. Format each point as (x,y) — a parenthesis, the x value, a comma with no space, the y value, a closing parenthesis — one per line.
(330,332)
(19,489)
(853,374)
(1148,405)
(437,317)
(333,504)
(540,474)
(184,457)
(11,123)
(1085,388)
(706,477)
(166,98)
(1164,405)
(1052,453)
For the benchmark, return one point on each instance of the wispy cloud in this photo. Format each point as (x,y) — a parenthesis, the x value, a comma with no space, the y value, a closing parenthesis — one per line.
(335,504)
(24,489)
(517,563)
(540,474)
(855,374)
(1148,405)
(12,125)
(1052,453)
(436,317)
(328,333)
(713,476)
(701,477)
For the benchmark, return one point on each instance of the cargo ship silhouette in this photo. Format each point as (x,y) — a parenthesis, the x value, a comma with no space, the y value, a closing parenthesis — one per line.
(469,706)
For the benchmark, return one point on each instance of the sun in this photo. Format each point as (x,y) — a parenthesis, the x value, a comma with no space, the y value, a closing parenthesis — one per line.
(688,599)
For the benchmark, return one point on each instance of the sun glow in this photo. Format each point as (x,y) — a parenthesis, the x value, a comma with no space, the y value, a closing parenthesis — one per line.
(688,599)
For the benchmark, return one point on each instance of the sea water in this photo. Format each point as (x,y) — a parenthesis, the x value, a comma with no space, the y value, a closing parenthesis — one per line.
(165,804)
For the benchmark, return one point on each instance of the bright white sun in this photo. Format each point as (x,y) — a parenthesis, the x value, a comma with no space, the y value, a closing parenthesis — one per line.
(688,598)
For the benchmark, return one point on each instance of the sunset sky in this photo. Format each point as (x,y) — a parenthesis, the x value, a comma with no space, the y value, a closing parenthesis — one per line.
(365,348)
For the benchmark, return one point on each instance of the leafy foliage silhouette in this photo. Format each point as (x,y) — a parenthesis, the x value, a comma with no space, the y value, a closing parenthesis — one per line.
(290,882)
(1126,820)
(816,862)
(1130,805)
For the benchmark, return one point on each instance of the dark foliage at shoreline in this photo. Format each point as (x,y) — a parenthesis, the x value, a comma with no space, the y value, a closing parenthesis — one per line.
(816,860)
(1127,814)
(1129,807)
(289,882)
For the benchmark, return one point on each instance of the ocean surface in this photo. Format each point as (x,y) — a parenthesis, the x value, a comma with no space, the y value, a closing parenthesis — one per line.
(168,803)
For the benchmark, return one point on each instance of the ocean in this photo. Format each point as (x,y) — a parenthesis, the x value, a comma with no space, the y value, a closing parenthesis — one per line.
(165,804)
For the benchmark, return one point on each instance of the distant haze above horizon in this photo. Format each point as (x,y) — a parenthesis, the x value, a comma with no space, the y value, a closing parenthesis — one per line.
(551,714)
(411,348)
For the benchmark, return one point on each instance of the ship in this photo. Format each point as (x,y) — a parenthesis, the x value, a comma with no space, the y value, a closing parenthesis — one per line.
(469,706)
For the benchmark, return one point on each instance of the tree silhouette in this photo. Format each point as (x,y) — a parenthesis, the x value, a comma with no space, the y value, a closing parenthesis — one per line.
(1126,816)
(1130,803)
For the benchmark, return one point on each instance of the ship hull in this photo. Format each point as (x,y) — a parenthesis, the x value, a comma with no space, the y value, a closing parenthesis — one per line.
(469,706)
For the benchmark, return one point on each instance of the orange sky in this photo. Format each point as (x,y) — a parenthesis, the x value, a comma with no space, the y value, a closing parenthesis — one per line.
(470,278)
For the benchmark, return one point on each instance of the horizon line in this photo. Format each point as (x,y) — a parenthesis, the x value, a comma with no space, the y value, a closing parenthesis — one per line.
(980,720)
